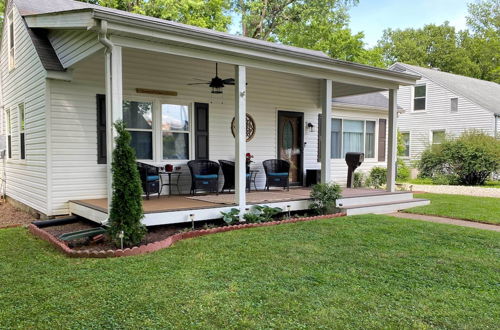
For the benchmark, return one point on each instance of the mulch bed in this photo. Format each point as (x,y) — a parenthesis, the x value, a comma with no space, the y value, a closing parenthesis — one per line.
(158,237)
(11,216)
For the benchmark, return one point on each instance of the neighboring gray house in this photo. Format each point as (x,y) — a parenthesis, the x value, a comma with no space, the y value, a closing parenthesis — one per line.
(442,104)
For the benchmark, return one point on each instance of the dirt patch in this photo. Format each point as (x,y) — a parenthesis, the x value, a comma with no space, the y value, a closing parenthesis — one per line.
(9,216)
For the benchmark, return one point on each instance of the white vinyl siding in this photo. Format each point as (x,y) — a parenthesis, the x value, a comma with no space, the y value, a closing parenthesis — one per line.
(26,179)
(72,46)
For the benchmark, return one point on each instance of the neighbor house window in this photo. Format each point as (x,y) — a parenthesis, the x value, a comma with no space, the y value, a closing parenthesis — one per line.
(454,104)
(175,127)
(419,98)
(352,136)
(9,132)
(405,136)
(22,139)
(138,119)
(11,40)
(438,137)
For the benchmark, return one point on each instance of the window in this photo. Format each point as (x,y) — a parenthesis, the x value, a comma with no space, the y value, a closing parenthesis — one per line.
(175,127)
(454,104)
(9,133)
(138,118)
(11,40)
(438,137)
(352,136)
(22,137)
(405,136)
(419,98)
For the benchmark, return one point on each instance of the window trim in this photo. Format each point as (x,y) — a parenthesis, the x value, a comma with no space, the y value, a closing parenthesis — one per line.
(190,131)
(22,130)
(8,131)
(11,41)
(409,145)
(419,97)
(431,137)
(375,147)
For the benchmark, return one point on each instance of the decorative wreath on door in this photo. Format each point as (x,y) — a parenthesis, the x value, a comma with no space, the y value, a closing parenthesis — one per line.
(250,127)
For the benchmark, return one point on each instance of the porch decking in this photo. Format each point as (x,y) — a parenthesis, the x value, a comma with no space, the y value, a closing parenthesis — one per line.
(178,208)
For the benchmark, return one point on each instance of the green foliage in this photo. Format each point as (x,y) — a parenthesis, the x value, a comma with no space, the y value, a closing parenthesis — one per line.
(403,171)
(211,14)
(359,179)
(252,217)
(324,197)
(231,217)
(267,212)
(377,177)
(469,159)
(126,205)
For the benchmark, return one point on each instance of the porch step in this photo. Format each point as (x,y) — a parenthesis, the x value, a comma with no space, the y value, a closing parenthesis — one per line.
(347,202)
(384,207)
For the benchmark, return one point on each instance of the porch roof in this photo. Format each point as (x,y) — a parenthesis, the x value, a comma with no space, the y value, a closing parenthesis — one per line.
(68,14)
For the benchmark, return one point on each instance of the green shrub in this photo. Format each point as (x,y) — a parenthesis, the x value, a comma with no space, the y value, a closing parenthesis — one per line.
(324,197)
(469,159)
(359,179)
(231,217)
(267,212)
(252,217)
(126,204)
(378,177)
(403,172)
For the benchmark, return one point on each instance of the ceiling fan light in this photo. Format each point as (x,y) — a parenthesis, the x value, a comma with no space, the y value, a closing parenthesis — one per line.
(216,90)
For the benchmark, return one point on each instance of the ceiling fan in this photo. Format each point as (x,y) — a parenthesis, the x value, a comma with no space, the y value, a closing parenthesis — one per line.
(217,83)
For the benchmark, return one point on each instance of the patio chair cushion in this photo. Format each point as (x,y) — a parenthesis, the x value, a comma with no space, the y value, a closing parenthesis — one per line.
(152,178)
(247,175)
(278,174)
(206,176)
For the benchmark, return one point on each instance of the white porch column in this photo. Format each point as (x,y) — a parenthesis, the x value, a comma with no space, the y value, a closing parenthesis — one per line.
(240,136)
(114,100)
(326,131)
(392,143)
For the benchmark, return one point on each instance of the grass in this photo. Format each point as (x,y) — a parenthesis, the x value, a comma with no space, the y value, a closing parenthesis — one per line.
(354,272)
(479,209)
(428,181)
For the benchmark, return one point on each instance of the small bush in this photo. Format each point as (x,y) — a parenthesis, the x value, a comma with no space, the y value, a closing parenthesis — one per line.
(359,179)
(403,172)
(231,217)
(469,159)
(266,212)
(378,177)
(252,217)
(324,196)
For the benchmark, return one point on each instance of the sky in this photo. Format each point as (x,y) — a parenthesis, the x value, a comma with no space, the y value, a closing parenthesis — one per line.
(374,16)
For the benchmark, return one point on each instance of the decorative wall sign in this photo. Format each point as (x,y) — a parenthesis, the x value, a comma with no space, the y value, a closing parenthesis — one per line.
(251,128)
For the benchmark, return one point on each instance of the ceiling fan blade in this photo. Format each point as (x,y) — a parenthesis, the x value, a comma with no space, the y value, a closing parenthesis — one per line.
(201,83)
(228,81)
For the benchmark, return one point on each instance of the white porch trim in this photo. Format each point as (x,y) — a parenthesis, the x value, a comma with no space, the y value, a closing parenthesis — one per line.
(392,144)
(326,129)
(240,103)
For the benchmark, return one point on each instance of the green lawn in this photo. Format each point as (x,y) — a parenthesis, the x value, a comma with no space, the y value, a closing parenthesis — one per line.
(479,209)
(355,272)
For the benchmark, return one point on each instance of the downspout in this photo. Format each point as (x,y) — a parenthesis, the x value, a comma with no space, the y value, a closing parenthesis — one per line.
(109,46)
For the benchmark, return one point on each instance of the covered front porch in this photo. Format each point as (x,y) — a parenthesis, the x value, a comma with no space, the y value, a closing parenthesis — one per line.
(186,208)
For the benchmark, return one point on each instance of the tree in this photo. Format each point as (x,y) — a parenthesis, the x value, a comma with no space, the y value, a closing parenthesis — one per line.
(126,205)
(211,14)
(315,24)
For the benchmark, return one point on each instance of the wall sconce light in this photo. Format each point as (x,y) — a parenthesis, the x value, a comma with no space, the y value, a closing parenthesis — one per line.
(191,217)
(311,127)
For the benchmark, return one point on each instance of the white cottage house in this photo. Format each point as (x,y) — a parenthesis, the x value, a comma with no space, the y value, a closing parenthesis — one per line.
(69,69)
(443,104)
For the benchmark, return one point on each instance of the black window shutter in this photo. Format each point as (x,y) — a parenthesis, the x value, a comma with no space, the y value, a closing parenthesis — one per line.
(319,137)
(382,123)
(201,130)
(101,129)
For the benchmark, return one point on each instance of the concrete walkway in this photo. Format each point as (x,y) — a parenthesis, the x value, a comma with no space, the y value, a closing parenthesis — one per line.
(456,222)
(454,190)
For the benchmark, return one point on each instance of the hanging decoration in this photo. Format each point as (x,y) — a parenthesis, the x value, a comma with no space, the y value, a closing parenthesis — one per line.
(251,128)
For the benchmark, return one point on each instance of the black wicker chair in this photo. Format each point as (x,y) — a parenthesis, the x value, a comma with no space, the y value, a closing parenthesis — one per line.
(204,175)
(150,179)
(229,172)
(277,173)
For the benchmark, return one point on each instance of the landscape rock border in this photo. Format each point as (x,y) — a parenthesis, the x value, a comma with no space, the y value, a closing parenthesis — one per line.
(169,241)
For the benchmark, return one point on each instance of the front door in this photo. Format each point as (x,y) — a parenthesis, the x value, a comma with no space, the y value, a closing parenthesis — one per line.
(290,142)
